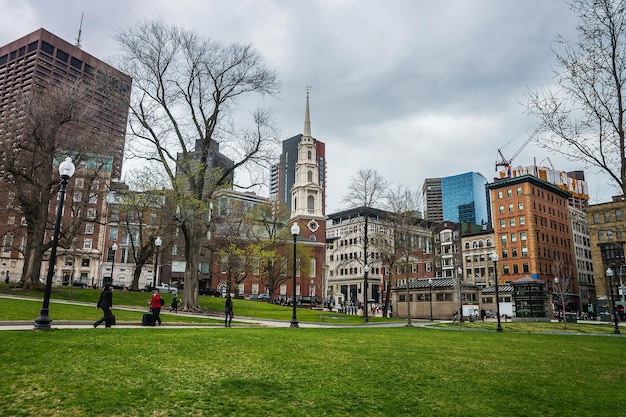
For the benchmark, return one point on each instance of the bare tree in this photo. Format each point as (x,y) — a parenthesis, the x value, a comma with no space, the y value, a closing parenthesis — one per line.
(405,246)
(584,114)
(562,292)
(49,121)
(366,190)
(186,89)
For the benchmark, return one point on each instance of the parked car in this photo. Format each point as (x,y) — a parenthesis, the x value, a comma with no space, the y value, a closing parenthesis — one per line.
(209,291)
(263,297)
(167,289)
(81,284)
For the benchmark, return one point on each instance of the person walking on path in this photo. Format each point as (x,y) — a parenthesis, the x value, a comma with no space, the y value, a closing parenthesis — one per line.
(228,311)
(174,305)
(105,303)
(156,302)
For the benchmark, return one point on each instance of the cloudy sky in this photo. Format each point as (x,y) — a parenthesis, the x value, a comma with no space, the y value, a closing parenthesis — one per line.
(411,88)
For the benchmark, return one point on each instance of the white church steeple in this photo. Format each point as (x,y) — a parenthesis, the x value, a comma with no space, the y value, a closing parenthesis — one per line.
(307,193)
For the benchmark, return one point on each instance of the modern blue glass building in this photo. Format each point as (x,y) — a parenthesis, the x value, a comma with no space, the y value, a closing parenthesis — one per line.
(465,199)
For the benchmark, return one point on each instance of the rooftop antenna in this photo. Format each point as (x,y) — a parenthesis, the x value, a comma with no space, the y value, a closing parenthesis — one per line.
(80,31)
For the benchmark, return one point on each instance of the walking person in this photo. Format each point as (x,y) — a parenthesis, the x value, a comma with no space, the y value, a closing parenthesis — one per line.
(156,302)
(105,303)
(174,305)
(228,311)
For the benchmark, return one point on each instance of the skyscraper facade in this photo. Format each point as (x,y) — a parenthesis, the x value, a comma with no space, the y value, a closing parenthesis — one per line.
(38,58)
(431,196)
(465,199)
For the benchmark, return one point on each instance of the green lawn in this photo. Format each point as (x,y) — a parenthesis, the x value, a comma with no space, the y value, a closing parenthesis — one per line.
(366,371)
(214,305)
(309,372)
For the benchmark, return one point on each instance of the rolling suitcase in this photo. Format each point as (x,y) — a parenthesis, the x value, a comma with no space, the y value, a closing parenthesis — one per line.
(146,320)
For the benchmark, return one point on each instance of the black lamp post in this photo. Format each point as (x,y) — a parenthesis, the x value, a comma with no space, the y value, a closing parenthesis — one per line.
(114,249)
(295,231)
(66,170)
(366,271)
(459,275)
(430,284)
(157,245)
(609,275)
(494,258)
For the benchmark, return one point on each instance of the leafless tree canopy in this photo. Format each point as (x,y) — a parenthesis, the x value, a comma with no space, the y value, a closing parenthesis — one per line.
(186,89)
(367,189)
(584,114)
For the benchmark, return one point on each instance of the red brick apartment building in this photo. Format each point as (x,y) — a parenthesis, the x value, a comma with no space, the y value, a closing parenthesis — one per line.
(532,230)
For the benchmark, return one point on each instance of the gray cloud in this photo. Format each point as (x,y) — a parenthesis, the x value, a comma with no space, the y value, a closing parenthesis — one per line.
(414,89)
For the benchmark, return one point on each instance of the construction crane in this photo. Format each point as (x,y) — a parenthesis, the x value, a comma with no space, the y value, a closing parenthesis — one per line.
(503,162)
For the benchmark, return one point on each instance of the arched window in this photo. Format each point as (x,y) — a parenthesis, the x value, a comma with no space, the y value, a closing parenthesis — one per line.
(475,244)
(309,176)
(480,243)
(310,203)
(309,155)
(489,242)
(467,245)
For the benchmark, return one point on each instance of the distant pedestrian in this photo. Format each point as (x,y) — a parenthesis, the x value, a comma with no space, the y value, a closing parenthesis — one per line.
(174,305)
(6,280)
(228,311)
(156,302)
(105,303)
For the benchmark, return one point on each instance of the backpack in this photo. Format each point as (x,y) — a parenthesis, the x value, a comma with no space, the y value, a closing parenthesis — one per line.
(161,301)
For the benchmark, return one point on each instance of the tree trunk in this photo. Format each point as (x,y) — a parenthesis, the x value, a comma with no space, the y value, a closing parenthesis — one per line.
(193,248)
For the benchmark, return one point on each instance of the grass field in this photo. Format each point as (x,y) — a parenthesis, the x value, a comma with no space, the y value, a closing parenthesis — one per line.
(365,371)
(309,372)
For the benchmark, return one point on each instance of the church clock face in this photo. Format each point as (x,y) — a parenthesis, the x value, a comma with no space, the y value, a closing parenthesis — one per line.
(313,226)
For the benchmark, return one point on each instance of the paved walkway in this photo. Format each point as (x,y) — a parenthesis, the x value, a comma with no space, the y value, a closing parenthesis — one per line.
(238,322)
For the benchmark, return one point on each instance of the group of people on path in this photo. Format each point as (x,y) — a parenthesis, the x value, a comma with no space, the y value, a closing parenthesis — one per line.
(105,303)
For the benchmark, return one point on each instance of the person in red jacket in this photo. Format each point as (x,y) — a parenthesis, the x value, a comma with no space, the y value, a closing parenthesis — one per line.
(156,302)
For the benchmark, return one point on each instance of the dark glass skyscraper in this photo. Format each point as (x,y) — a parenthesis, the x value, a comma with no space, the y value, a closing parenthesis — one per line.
(465,199)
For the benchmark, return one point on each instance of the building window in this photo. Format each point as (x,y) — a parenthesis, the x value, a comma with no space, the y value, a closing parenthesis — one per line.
(89,227)
(525,268)
(502,224)
(522,221)
(501,209)
(499,194)
(519,190)
(113,233)
(85,262)
(503,238)
(515,269)
(78,197)
(6,244)
(511,208)
(618,215)
(11,220)
(596,218)
(91,213)
(115,215)
(505,269)
(87,244)
(512,222)
(520,205)
(509,193)
(79,182)
(312,266)
(522,236)
(607,216)
(93,199)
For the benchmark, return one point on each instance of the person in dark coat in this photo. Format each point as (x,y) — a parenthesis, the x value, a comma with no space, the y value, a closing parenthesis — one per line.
(228,311)
(105,303)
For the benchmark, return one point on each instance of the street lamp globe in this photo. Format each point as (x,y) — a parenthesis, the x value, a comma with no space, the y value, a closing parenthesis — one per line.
(67,168)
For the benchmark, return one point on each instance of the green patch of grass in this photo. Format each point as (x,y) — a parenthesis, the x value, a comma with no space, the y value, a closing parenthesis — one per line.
(534,327)
(242,308)
(309,372)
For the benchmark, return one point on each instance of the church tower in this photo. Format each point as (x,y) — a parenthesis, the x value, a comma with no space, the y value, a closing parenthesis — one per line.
(307,206)
(307,194)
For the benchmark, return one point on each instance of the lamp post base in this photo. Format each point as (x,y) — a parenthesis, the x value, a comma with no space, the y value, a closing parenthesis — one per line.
(294,324)
(43,321)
